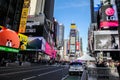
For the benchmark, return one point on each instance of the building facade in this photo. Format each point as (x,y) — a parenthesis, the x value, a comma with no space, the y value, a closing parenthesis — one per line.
(106,25)
(74,43)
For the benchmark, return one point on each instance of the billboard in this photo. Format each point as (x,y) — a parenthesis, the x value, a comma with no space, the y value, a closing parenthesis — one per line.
(23,41)
(9,38)
(73,32)
(36,43)
(106,41)
(72,48)
(72,40)
(73,26)
(24,15)
(108,16)
(77,46)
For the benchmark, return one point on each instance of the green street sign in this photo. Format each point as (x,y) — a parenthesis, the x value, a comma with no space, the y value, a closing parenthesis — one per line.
(8,49)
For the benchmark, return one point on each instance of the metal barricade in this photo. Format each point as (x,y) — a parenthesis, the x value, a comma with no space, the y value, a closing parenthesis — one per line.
(84,75)
(102,73)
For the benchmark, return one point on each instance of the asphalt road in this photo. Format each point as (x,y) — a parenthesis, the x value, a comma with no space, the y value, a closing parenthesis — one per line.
(74,77)
(44,72)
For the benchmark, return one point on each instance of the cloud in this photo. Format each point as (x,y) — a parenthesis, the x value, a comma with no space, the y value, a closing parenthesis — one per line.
(72,4)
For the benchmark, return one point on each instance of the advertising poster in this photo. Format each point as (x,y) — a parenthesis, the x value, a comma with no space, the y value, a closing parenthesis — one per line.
(23,41)
(77,46)
(106,40)
(72,48)
(73,32)
(36,43)
(73,26)
(9,38)
(24,15)
(72,40)
(108,15)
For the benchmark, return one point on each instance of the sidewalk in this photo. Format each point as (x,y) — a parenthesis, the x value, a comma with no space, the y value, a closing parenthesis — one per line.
(114,76)
(102,74)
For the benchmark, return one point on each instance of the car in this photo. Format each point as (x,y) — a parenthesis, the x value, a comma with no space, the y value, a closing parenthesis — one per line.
(76,68)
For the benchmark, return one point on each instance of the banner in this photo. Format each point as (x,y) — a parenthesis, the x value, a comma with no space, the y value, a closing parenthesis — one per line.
(108,16)
(9,38)
(24,15)
(106,40)
(23,41)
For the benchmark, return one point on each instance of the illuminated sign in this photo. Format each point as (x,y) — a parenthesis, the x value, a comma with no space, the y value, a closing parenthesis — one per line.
(9,38)
(36,43)
(23,41)
(24,15)
(109,11)
(72,48)
(78,46)
(8,49)
(73,32)
(106,40)
(73,26)
(72,40)
(108,16)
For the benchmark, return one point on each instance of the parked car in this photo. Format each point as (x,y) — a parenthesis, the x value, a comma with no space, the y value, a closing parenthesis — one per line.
(76,68)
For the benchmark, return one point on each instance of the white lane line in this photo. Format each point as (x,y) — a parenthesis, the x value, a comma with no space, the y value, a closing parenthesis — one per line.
(65,77)
(41,74)
(29,78)
(11,73)
(49,72)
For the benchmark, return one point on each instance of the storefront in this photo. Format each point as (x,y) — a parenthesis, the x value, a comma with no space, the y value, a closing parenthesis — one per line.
(9,45)
(8,54)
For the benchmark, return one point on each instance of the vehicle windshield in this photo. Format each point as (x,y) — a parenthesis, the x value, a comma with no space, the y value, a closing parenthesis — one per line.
(75,63)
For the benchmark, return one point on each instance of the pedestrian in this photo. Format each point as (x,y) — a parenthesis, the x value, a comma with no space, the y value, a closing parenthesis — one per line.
(118,68)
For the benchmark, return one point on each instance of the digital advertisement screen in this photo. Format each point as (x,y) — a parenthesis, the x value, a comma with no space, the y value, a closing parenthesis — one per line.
(108,16)
(72,48)
(73,32)
(106,40)
(78,46)
(72,40)
(36,43)
(9,38)
(23,41)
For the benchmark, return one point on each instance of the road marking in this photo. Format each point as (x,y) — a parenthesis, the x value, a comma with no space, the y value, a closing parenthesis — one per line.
(11,73)
(65,77)
(29,78)
(49,72)
(41,74)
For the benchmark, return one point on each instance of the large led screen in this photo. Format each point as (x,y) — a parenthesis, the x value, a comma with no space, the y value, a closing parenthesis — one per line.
(73,32)
(36,43)
(72,40)
(106,40)
(72,48)
(9,38)
(108,16)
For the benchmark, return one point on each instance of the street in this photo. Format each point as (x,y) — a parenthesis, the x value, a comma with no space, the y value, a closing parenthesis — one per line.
(73,77)
(44,72)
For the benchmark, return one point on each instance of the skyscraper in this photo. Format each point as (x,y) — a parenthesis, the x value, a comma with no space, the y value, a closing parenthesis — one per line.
(74,42)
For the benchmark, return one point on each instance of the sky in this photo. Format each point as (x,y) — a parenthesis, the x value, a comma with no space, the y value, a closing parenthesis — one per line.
(74,11)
